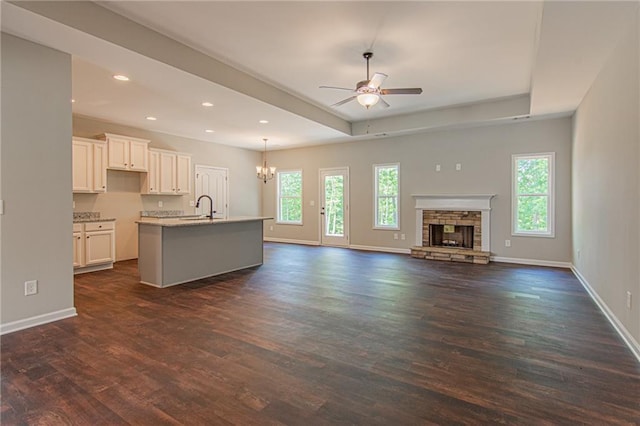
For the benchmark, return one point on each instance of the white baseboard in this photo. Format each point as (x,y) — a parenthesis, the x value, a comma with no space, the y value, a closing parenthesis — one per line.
(37,320)
(288,241)
(534,262)
(382,249)
(619,327)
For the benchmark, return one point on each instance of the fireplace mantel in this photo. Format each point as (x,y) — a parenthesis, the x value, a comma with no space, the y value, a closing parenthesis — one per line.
(456,202)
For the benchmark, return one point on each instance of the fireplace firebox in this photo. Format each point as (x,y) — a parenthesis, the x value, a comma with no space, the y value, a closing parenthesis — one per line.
(459,236)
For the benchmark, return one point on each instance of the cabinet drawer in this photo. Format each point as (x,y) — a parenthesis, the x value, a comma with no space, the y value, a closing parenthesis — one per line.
(98,226)
(77,227)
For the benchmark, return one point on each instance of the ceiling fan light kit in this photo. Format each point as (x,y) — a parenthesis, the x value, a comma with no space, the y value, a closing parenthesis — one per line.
(368,92)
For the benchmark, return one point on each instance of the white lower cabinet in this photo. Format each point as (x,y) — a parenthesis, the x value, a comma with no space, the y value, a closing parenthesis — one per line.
(94,246)
(78,249)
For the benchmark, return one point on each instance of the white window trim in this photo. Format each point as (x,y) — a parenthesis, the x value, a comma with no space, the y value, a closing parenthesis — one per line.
(375,197)
(550,233)
(278,221)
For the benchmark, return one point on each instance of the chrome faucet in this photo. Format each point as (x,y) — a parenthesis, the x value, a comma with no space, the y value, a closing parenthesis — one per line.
(211,211)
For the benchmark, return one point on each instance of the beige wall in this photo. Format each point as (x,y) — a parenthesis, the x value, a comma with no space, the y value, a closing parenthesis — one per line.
(36,181)
(485,156)
(124,202)
(606,187)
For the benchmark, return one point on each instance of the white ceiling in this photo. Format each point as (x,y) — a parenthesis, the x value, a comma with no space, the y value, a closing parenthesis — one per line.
(270,57)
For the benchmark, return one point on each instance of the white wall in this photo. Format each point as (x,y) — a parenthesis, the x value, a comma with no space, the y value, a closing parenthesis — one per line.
(606,184)
(36,183)
(485,156)
(124,202)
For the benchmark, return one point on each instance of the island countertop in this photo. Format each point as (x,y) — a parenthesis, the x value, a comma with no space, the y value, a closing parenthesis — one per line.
(197,221)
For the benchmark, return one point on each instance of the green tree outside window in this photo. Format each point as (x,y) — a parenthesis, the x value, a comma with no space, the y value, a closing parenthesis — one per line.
(533,191)
(386,193)
(290,197)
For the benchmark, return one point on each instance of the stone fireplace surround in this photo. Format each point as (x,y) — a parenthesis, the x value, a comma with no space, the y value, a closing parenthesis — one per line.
(456,210)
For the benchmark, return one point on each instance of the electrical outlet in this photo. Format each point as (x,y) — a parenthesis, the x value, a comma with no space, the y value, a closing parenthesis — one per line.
(403,237)
(312,203)
(74,204)
(628,300)
(271,228)
(507,243)
(160,203)
(192,203)
(437,167)
(395,236)
(458,166)
(30,287)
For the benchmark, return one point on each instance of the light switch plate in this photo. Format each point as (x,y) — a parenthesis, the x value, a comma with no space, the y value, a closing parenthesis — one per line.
(1,206)
(458,166)
(437,167)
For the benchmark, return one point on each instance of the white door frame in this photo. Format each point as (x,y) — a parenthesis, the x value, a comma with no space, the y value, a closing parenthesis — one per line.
(198,169)
(328,240)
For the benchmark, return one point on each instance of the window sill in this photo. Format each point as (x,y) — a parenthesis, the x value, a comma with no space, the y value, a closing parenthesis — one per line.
(289,223)
(533,234)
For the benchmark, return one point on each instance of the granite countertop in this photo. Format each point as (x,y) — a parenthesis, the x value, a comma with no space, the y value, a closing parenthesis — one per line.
(162,214)
(100,219)
(83,217)
(196,220)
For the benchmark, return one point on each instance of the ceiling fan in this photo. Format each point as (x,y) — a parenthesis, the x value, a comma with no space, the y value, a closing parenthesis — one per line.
(368,92)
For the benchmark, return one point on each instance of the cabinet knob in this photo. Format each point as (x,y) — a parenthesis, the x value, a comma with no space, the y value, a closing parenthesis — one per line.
(131,164)
(99,226)
(125,164)
(87,237)
(103,186)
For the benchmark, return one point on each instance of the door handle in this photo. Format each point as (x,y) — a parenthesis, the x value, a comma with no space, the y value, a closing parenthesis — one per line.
(322,211)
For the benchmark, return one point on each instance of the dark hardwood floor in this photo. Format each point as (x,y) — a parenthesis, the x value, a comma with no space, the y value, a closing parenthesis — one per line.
(326,336)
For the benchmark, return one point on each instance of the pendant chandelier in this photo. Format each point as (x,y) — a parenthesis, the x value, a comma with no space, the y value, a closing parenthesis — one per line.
(263,172)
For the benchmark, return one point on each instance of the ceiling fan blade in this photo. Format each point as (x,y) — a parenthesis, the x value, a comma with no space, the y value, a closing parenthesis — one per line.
(344,101)
(376,80)
(334,87)
(412,91)
(383,103)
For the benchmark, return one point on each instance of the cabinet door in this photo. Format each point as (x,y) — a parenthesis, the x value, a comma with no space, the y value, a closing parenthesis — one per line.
(167,173)
(78,250)
(183,174)
(118,153)
(99,167)
(99,247)
(152,185)
(139,156)
(82,166)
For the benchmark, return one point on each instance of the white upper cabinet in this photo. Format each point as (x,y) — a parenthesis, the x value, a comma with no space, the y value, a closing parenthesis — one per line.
(183,173)
(89,165)
(127,153)
(151,180)
(169,173)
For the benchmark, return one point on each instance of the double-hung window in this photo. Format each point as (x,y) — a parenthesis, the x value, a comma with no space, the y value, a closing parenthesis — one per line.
(386,202)
(290,197)
(532,200)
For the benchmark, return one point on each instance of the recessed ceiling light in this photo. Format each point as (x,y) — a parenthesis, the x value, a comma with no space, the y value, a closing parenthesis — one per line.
(150,118)
(209,131)
(73,101)
(263,121)
(121,77)
(207,104)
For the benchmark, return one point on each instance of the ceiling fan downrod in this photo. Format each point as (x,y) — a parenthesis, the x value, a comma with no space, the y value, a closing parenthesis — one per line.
(367,56)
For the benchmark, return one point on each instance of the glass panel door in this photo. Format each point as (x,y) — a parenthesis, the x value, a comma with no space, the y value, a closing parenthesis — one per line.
(334,208)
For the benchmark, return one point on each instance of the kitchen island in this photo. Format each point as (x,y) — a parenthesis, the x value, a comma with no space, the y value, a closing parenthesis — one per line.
(178,250)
